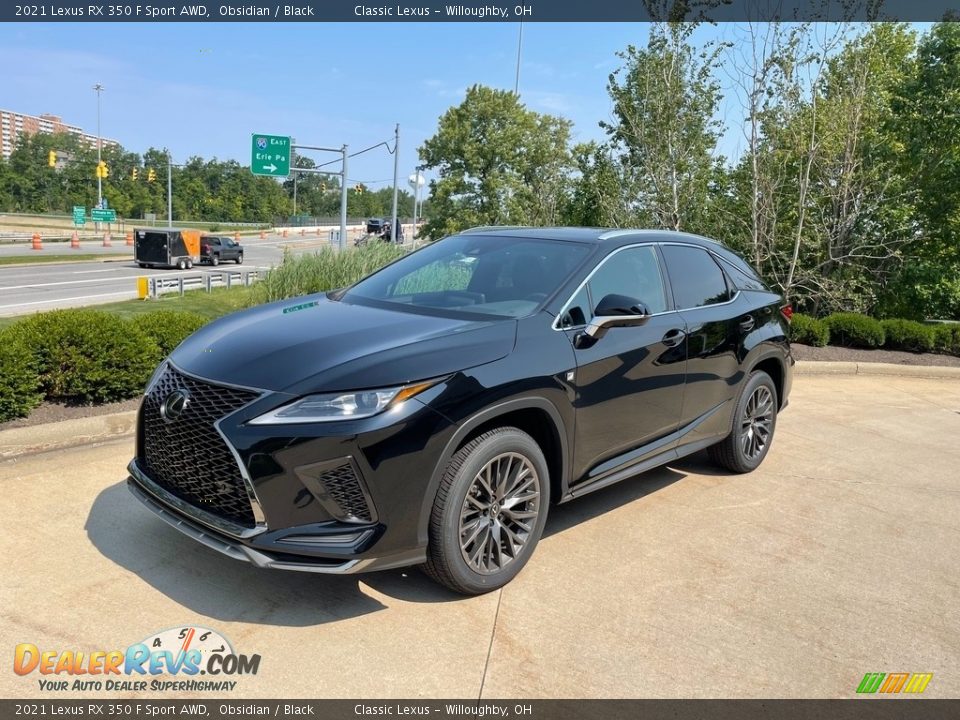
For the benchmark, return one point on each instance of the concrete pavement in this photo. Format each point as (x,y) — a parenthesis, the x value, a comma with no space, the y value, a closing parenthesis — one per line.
(836,558)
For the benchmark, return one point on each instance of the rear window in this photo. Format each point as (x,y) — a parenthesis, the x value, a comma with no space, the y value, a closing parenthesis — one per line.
(695,277)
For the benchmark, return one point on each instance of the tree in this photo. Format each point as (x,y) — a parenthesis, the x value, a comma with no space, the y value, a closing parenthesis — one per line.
(929,118)
(497,163)
(664,100)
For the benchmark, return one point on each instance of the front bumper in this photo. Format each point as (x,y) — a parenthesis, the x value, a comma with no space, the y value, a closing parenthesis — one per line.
(301,519)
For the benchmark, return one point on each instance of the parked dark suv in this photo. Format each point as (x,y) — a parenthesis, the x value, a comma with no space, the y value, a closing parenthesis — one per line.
(432,412)
(215,248)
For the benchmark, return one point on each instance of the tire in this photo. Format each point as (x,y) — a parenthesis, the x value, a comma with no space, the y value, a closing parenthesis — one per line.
(181,264)
(754,424)
(189,264)
(470,565)
(143,265)
(214,260)
(240,259)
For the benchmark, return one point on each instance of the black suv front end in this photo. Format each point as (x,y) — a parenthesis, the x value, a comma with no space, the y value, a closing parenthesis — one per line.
(333,498)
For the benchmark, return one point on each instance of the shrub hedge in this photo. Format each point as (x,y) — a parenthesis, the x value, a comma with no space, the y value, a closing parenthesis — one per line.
(87,356)
(19,382)
(168,328)
(855,330)
(809,331)
(908,335)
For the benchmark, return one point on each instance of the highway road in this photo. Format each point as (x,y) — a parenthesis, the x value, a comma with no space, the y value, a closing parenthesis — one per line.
(29,288)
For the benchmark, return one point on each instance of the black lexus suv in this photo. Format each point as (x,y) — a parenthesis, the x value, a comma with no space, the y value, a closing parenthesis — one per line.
(432,412)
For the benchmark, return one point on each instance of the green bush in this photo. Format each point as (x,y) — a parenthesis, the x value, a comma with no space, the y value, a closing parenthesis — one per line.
(327,269)
(19,382)
(908,335)
(87,356)
(946,338)
(168,328)
(809,331)
(855,330)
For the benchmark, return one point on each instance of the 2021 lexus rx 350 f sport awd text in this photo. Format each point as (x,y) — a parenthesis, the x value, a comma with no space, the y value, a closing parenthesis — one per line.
(432,412)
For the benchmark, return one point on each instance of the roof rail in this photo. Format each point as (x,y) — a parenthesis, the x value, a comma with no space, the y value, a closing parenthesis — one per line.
(487,228)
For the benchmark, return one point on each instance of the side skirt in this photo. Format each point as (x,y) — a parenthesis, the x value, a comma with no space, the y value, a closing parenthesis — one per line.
(631,467)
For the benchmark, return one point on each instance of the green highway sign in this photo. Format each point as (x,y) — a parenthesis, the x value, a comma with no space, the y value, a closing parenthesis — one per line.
(270,155)
(79,214)
(103,215)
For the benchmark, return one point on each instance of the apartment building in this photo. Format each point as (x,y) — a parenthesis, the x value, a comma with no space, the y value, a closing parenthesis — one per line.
(14,124)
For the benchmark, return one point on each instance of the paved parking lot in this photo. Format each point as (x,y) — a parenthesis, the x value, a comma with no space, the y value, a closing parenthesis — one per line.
(840,556)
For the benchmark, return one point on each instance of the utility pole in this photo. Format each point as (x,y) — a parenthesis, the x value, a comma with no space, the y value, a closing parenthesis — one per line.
(394,235)
(343,201)
(293,166)
(99,89)
(516,82)
(169,191)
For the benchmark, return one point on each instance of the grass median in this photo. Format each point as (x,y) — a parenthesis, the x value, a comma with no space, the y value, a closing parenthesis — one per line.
(34,259)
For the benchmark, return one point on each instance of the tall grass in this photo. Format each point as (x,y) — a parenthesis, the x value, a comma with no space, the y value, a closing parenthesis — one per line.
(326,269)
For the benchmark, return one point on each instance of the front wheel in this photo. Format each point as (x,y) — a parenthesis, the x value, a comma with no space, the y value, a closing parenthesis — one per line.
(240,259)
(489,512)
(755,420)
(214,260)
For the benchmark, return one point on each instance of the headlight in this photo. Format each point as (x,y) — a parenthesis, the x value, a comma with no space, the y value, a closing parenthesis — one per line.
(341,406)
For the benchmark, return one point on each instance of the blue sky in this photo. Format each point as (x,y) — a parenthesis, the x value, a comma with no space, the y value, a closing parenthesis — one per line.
(202,89)
(325,84)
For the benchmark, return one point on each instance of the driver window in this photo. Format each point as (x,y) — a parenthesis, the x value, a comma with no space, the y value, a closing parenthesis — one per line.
(634,272)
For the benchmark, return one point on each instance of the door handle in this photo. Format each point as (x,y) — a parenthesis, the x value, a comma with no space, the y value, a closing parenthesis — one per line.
(674,337)
(747,323)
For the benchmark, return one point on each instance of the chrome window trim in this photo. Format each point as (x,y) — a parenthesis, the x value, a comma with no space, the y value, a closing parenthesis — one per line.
(655,243)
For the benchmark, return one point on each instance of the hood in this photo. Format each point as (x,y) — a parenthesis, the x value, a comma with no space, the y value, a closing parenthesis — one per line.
(313,344)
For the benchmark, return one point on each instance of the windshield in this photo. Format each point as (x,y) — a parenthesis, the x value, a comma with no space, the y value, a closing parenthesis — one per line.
(498,276)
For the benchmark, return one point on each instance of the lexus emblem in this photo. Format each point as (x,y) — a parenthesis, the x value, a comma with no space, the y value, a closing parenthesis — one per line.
(174,405)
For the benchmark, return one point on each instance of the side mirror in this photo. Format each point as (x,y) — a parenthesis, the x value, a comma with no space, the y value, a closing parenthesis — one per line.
(616,311)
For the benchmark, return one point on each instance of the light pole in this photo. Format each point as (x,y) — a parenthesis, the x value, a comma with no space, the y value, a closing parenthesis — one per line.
(99,89)
(516,82)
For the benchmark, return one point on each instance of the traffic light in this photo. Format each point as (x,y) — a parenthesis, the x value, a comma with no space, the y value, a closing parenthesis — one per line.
(52,158)
(359,188)
(151,175)
(134,174)
(102,170)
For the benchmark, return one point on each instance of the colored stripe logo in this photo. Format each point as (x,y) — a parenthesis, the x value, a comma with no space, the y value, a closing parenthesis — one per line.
(894,683)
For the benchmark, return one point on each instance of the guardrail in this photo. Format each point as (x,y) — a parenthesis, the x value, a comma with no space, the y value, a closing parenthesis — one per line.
(158,285)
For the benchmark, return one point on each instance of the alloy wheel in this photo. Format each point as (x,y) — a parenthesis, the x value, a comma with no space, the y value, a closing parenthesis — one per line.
(499,513)
(757,422)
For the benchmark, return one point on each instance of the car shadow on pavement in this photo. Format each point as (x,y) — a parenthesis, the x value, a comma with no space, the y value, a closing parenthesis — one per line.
(563,517)
(218,587)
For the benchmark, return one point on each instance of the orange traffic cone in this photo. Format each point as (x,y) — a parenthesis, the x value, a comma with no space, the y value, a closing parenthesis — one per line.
(318,232)
(236,236)
(37,244)
(106,240)
(284,232)
(263,235)
(75,241)
(302,232)
(129,238)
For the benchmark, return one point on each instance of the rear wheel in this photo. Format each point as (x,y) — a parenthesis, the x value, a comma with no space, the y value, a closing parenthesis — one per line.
(755,420)
(143,265)
(189,264)
(182,264)
(489,512)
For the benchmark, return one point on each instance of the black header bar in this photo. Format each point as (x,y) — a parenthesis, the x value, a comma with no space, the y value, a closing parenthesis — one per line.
(472,11)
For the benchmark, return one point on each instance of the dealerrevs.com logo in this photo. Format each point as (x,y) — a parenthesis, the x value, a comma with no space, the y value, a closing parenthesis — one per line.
(187,652)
